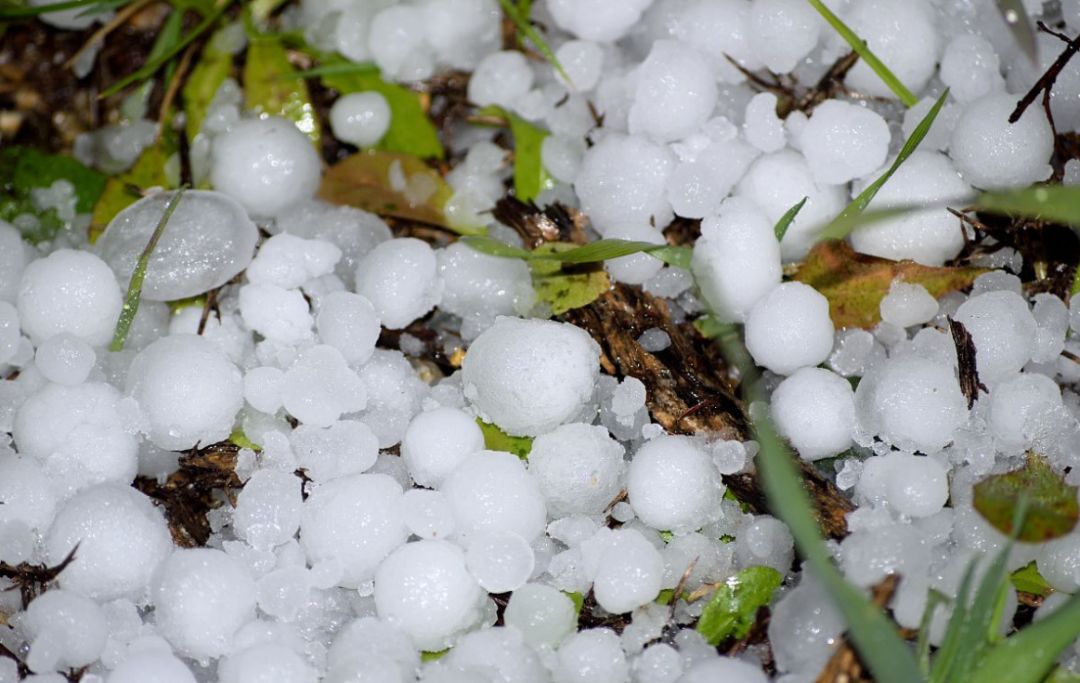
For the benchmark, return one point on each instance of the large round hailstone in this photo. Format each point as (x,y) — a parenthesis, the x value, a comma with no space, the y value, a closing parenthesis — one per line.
(970,68)
(775,183)
(188,390)
(911,402)
(26,494)
(367,644)
(993,154)
(266,164)
(78,434)
(66,631)
(717,28)
(476,284)
(122,538)
(623,180)
(629,573)
(543,614)
(400,278)
(782,32)
(266,662)
(530,376)
(737,259)
(865,142)
(790,328)
(592,656)
(501,78)
(360,118)
(397,44)
(157,665)
(207,241)
(355,521)
(348,322)
(814,409)
(903,35)
(676,93)
(490,491)
(928,236)
(13,258)
(673,485)
(501,561)
(1003,329)
(320,387)
(1022,409)
(766,541)
(201,597)
(916,486)
(635,269)
(69,291)
(579,467)
(267,510)
(425,589)
(728,669)
(436,442)
(603,21)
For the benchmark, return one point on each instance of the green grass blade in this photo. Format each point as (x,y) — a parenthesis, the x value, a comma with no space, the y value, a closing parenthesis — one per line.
(980,617)
(784,223)
(1030,654)
(593,252)
(934,599)
(859,46)
(13,12)
(134,292)
(521,21)
(1057,203)
(1016,18)
(946,654)
(835,230)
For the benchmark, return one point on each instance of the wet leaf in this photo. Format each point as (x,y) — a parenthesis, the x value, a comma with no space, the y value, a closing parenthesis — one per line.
(530,177)
(411,131)
(151,169)
(270,86)
(213,68)
(391,184)
(1053,510)
(496,439)
(23,169)
(429,656)
(856,283)
(732,609)
(1027,579)
(566,290)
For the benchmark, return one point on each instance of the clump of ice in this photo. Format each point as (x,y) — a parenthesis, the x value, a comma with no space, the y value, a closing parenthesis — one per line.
(865,138)
(782,32)
(908,304)
(598,20)
(1003,329)
(789,328)
(352,230)
(501,561)
(629,571)
(676,93)
(479,287)
(815,410)
(543,614)
(501,78)
(592,655)
(267,511)
(320,387)
(903,35)
(69,291)
(400,279)
(622,181)
(288,261)
(360,118)
(970,68)
(266,164)
(490,491)
(579,468)
(992,153)
(348,322)
(1024,410)
(673,485)
(26,494)
(529,376)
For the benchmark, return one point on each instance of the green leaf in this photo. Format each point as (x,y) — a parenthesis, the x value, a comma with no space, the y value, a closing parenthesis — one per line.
(151,169)
(213,68)
(784,223)
(411,131)
(593,252)
(732,609)
(1053,508)
(1016,18)
(134,292)
(10,11)
(530,177)
(1027,579)
(1057,203)
(838,229)
(270,86)
(664,597)
(1062,675)
(23,169)
(241,440)
(859,46)
(946,657)
(427,656)
(563,290)
(496,439)
(579,601)
(521,21)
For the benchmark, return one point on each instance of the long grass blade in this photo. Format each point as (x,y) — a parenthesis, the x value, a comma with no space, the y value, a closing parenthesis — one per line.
(1057,203)
(593,252)
(8,13)
(784,223)
(1030,654)
(521,21)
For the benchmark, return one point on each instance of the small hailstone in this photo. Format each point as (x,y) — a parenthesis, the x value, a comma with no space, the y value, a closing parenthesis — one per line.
(561,156)
(635,269)
(265,661)
(437,441)
(320,387)
(1019,408)
(717,29)
(428,514)
(727,669)
(654,340)
(400,279)
(659,663)
(266,164)
(765,541)
(64,358)
(356,521)
(912,403)
(501,78)
(25,493)
(592,656)
(918,486)
(1052,318)
(207,241)
(737,260)
(267,510)
(603,21)
(65,629)
(360,118)
(868,555)
(529,376)
(789,328)
(158,665)
(352,230)
(763,128)
(804,627)
(622,181)
(499,653)
(345,447)
(782,32)
(815,410)
(676,92)
(993,154)
(701,180)
(582,60)
(122,538)
(673,485)
(491,491)
(908,304)
(501,561)
(288,261)
(630,572)
(543,614)
(262,388)
(10,337)
(479,284)
(865,135)
(903,35)
(970,68)
(188,390)
(941,130)
(1003,329)
(201,597)
(395,394)
(997,281)
(425,589)
(348,322)
(13,258)
(281,315)
(579,468)
(69,291)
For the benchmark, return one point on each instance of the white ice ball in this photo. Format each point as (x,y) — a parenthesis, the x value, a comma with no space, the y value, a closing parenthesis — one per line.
(865,138)
(676,92)
(425,589)
(622,180)
(188,389)
(26,493)
(267,510)
(266,164)
(992,153)
(543,614)
(762,127)
(491,491)
(499,653)
(908,304)
(1024,408)
(348,322)
(476,284)
(201,597)
(400,279)
(280,315)
(629,573)
(360,118)
(592,656)
(320,387)
(903,35)
(1003,329)
(436,442)
(69,291)
(369,644)
(288,261)
(673,485)
(10,335)
(918,486)
(600,20)
(65,359)
(635,269)
(723,669)
(790,328)
(765,541)
(529,376)
(579,467)
(428,514)
(815,410)
(501,78)
(583,61)
(345,447)
(970,68)
(782,32)
(501,561)
(266,662)
(66,631)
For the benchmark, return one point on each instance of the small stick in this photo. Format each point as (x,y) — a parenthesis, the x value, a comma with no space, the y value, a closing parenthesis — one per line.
(1046,81)
(99,35)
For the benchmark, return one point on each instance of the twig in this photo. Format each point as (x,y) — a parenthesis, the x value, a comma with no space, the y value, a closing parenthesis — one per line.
(1046,81)
(174,88)
(99,35)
